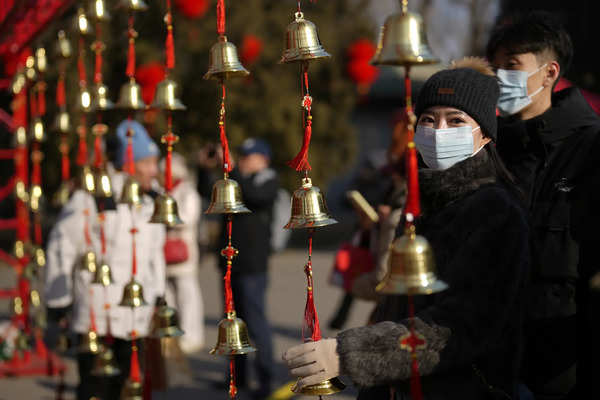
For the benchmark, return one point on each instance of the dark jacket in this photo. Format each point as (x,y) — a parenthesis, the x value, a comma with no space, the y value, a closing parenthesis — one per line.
(478,233)
(555,160)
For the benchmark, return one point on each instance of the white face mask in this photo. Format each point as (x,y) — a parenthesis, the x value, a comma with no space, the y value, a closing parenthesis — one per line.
(513,90)
(442,148)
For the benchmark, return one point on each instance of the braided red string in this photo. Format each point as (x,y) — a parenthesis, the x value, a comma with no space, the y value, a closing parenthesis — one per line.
(133,252)
(60,92)
(223,136)
(134,368)
(221,17)
(300,162)
(169,45)
(311,324)
(131,49)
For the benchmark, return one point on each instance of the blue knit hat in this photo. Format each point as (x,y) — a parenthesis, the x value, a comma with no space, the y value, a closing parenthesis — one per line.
(143,145)
(253,146)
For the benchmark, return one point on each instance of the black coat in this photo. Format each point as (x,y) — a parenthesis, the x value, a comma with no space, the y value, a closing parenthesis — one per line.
(555,158)
(478,233)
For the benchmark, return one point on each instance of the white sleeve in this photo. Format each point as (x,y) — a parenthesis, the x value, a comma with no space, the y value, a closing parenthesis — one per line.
(157,261)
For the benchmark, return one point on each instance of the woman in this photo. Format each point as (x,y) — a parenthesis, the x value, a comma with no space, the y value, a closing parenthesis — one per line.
(478,233)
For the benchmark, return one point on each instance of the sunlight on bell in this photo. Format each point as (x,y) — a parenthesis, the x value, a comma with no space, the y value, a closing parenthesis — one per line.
(413,27)
(40,55)
(86,100)
(83,23)
(99,8)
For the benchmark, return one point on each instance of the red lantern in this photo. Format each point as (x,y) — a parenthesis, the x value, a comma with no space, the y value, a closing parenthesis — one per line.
(251,49)
(193,8)
(148,75)
(358,68)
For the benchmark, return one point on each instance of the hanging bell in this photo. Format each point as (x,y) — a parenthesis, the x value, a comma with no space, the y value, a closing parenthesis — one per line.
(61,196)
(84,100)
(19,249)
(133,295)
(223,62)
(324,388)
(226,198)
(87,180)
(38,132)
(411,267)
(165,97)
(98,11)
(105,363)
(302,41)
(35,198)
(100,100)
(308,208)
(62,123)
(34,298)
(41,62)
(102,184)
(30,71)
(89,343)
(133,5)
(82,24)
(132,390)
(130,96)
(103,275)
(89,262)
(233,337)
(165,211)
(38,256)
(403,41)
(131,192)
(18,82)
(63,46)
(165,321)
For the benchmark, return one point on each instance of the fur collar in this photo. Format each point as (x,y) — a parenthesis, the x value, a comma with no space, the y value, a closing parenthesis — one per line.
(440,188)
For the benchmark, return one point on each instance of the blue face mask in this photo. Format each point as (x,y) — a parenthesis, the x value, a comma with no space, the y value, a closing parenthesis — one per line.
(442,148)
(513,90)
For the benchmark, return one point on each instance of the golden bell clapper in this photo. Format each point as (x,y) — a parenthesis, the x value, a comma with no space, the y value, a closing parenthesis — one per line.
(165,97)
(132,390)
(41,63)
(102,184)
(100,100)
(131,194)
(89,343)
(165,211)
(403,41)
(98,11)
(35,198)
(38,131)
(411,267)
(133,5)
(103,275)
(308,208)
(133,295)
(324,388)
(232,337)
(62,123)
(223,62)
(130,96)
(87,180)
(89,262)
(302,41)
(226,198)
(165,322)
(105,363)
(82,24)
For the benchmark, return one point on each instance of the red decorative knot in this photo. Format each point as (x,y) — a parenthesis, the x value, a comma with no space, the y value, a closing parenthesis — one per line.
(169,139)
(134,231)
(99,129)
(412,342)
(307,102)
(229,252)
(81,130)
(134,335)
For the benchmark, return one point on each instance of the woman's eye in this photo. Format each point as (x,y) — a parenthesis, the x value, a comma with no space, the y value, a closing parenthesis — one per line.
(427,119)
(457,121)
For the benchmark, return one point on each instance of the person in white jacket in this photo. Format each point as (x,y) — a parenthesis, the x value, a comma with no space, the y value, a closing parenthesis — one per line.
(183,286)
(67,285)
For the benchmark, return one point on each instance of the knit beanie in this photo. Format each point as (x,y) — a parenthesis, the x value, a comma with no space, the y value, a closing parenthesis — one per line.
(143,145)
(467,89)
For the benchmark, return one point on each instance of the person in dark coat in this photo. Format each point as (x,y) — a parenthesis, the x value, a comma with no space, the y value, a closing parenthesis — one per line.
(550,142)
(478,232)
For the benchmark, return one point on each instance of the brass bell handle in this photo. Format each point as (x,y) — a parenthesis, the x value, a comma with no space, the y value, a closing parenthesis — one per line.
(299,15)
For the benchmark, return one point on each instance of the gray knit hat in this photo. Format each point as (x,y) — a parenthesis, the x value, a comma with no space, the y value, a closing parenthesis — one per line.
(466,89)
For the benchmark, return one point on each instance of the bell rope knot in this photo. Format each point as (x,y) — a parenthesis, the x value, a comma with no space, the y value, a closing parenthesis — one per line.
(229,252)
(411,342)
(98,47)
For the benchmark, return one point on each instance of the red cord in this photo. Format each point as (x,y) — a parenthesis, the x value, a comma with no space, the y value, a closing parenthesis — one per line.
(131,50)
(221,17)
(169,44)
(134,258)
(311,319)
(223,136)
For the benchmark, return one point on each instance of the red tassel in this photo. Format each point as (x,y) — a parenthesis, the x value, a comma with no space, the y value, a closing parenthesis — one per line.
(232,386)
(221,17)
(412,175)
(134,369)
(98,151)
(98,67)
(65,162)
(36,173)
(168,171)
(41,100)
(131,50)
(311,319)
(170,47)
(300,162)
(37,231)
(82,151)
(228,252)
(81,64)
(60,92)
(134,257)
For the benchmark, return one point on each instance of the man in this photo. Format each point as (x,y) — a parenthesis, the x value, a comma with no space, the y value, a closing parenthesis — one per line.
(251,235)
(67,284)
(550,142)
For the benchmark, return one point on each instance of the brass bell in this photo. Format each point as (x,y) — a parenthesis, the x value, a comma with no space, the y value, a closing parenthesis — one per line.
(130,96)
(21,191)
(223,62)
(308,208)
(19,249)
(226,198)
(103,275)
(87,180)
(100,100)
(165,211)
(63,46)
(105,364)
(38,132)
(41,62)
(403,41)
(34,298)
(131,192)
(165,98)
(18,82)
(324,388)
(302,41)
(35,198)
(38,256)
(233,337)
(133,295)
(82,24)
(89,343)
(133,5)
(30,71)
(411,267)
(132,390)
(89,262)
(62,122)
(99,11)
(61,197)
(84,100)
(102,184)
(165,322)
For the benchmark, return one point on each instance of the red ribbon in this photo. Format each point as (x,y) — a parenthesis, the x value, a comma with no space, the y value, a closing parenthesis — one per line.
(311,319)
(221,17)
(134,368)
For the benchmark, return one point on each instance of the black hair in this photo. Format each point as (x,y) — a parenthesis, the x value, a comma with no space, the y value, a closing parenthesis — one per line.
(503,175)
(532,32)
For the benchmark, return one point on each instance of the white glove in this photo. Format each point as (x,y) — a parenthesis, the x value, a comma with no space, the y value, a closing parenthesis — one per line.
(313,362)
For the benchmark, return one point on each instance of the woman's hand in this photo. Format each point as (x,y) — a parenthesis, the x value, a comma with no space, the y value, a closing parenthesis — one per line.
(313,362)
